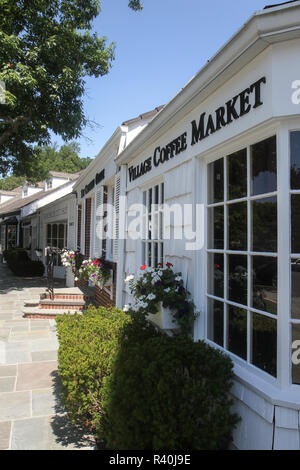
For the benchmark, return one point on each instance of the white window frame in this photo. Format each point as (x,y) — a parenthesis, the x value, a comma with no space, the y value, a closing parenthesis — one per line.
(245,366)
(153,234)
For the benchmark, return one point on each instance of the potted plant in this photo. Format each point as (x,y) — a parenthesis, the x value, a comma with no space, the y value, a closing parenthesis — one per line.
(95,271)
(160,297)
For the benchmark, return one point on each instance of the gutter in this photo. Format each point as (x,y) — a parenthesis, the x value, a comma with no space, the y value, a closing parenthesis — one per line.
(117,133)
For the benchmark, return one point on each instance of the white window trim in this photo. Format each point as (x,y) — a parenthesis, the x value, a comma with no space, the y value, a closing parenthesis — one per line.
(278,391)
(159,213)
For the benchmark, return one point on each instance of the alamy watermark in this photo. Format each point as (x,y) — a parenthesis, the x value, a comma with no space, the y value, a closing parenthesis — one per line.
(296,352)
(2,92)
(296,94)
(162,222)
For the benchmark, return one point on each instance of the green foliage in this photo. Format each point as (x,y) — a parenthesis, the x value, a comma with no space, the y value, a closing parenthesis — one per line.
(167,393)
(45,159)
(47,48)
(87,344)
(21,265)
(11,182)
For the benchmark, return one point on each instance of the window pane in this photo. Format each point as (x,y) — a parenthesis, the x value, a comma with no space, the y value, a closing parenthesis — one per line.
(237,265)
(216,270)
(296,354)
(54,231)
(216,220)
(149,254)
(61,230)
(295,213)
(237,331)
(155,254)
(264,166)
(237,226)
(216,178)
(295,159)
(156,195)
(295,277)
(150,200)
(264,343)
(215,321)
(48,231)
(237,174)
(264,224)
(264,284)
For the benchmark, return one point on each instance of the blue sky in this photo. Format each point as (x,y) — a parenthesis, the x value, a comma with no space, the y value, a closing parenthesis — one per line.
(158,51)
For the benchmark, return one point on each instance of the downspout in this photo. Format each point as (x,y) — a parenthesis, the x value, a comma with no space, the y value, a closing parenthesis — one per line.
(122,233)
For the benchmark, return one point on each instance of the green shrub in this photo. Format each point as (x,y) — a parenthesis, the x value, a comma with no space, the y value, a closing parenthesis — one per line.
(21,265)
(87,344)
(167,393)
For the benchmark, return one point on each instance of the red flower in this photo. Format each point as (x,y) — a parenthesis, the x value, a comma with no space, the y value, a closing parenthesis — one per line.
(169,265)
(143,267)
(218,266)
(159,264)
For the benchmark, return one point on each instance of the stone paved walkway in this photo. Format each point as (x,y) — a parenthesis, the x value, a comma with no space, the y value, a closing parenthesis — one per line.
(31,414)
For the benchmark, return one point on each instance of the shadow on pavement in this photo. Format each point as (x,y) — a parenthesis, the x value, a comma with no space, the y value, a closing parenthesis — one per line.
(66,433)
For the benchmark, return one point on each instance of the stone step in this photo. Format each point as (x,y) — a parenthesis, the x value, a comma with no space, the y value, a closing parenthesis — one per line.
(37,312)
(62,303)
(73,297)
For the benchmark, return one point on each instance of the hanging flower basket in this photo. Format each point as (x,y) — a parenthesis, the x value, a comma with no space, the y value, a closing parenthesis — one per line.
(160,296)
(164,318)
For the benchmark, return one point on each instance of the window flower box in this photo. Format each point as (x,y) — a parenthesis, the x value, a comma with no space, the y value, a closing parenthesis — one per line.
(164,318)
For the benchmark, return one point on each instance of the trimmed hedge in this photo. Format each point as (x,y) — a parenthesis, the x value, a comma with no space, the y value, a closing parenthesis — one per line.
(87,344)
(139,389)
(21,265)
(168,393)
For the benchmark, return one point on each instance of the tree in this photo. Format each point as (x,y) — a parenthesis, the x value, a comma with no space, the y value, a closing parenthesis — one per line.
(47,48)
(45,159)
(12,182)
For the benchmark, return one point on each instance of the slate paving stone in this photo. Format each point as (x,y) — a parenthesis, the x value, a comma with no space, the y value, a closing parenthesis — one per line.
(17,357)
(44,345)
(7,384)
(28,335)
(43,434)
(46,402)
(40,356)
(36,375)
(31,414)
(5,430)
(4,333)
(8,371)
(15,405)
(6,316)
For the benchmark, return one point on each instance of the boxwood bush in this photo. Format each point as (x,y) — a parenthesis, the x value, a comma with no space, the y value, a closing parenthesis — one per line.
(87,344)
(167,393)
(21,265)
(139,389)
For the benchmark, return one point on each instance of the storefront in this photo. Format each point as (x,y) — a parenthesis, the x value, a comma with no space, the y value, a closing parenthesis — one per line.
(216,173)
(98,215)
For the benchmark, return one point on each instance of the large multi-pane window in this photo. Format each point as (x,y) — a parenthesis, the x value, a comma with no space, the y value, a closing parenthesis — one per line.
(242,254)
(295,248)
(153,220)
(57,237)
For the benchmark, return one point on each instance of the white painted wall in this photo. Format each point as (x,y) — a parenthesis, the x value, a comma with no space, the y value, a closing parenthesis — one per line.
(270,415)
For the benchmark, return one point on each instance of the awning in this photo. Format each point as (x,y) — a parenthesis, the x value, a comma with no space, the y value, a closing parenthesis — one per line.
(11,221)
